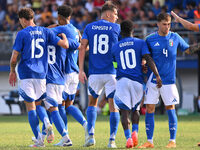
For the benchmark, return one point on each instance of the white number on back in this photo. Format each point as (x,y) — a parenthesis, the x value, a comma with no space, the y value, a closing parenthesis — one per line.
(100,44)
(51,54)
(36,44)
(125,61)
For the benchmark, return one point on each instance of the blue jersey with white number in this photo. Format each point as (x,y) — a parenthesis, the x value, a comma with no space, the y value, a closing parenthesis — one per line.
(72,54)
(32,42)
(128,54)
(164,50)
(57,57)
(101,35)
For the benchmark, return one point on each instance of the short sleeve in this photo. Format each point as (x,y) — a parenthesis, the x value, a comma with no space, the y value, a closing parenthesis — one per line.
(73,44)
(52,37)
(145,49)
(18,45)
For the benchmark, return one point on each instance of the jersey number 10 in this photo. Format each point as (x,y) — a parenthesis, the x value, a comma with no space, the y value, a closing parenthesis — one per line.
(125,61)
(100,44)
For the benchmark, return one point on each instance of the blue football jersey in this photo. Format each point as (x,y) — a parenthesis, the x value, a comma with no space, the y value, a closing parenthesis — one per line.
(164,50)
(72,53)
(57,57)
(128,54)
(32,42)
(102,35)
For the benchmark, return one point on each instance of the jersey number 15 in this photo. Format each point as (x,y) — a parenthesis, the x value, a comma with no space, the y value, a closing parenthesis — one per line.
(36,44)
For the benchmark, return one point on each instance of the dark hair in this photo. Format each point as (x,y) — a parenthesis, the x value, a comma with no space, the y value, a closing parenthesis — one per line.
(108,6)
(65,11)
(26,13)
(126,27)
(163,16)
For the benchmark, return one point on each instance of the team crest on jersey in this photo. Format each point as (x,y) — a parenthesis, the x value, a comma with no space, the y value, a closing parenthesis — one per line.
(170,42)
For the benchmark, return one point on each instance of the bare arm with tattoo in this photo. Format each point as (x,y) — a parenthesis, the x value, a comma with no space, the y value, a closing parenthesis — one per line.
(152,65)
(13,63)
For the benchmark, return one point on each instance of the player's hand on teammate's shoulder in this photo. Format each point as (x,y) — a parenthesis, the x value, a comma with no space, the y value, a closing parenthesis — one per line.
(12,78)
(82,77)
(159,82)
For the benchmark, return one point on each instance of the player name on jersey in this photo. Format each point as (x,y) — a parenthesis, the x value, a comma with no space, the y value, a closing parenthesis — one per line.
(35,32)
(126,44)
(95,27)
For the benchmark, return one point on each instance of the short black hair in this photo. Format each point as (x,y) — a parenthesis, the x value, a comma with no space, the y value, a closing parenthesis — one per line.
(126,27)
(163,16)
(26,13)
(108,6)
(65,11)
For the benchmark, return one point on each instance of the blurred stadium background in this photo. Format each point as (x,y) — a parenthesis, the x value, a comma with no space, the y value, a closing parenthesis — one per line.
(142,12)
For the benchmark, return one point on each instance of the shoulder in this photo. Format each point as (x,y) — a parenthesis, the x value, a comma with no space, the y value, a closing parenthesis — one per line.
(150,36)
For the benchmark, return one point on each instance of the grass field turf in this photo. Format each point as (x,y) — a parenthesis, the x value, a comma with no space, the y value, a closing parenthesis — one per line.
(15,133)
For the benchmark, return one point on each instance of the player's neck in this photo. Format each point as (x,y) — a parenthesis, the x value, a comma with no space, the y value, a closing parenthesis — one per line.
(64,22)
(162,33)
(31,23)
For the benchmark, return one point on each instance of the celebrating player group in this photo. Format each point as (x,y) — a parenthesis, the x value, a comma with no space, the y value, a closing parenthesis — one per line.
(49,74)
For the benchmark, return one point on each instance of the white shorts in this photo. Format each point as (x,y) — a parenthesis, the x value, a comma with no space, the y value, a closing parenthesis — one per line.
(128,95)
(97,82)
(32,89)
(169,94)
(54,95)
(71,84)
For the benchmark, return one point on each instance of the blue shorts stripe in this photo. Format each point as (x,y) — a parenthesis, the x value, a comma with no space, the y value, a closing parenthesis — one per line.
(64,95)
(111,95)
(42,97)
(120,104)
(92,92)
(25,97)
(52,101)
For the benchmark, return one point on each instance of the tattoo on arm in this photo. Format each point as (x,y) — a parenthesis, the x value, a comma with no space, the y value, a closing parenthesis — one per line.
(151,64)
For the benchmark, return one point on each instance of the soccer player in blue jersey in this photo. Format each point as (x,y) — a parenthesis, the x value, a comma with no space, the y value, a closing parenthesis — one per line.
(55,85)
(128,54)
(190,26)
(31,42)
(100,36)
(163,46)
(70,67)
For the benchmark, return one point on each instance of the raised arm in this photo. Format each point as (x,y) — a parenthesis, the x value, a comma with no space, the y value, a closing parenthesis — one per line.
(188,25)
(153,67)
(82,75)
(13,63)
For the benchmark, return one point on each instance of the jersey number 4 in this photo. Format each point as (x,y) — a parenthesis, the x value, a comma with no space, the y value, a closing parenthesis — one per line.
(36,44)
(125,57)
(100,44)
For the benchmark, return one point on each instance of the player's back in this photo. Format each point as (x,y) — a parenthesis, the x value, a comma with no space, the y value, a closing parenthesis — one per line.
(101,35)
(128,54)
(32,44)
(72,54)
(164,51)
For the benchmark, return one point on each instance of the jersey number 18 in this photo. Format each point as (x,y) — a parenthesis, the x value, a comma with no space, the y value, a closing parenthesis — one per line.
(100,44)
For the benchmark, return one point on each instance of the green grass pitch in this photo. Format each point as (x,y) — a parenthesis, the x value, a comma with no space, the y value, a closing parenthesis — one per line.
(15,133)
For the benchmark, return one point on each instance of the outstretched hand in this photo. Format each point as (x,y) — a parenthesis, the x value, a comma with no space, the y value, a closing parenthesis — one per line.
(176,17)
